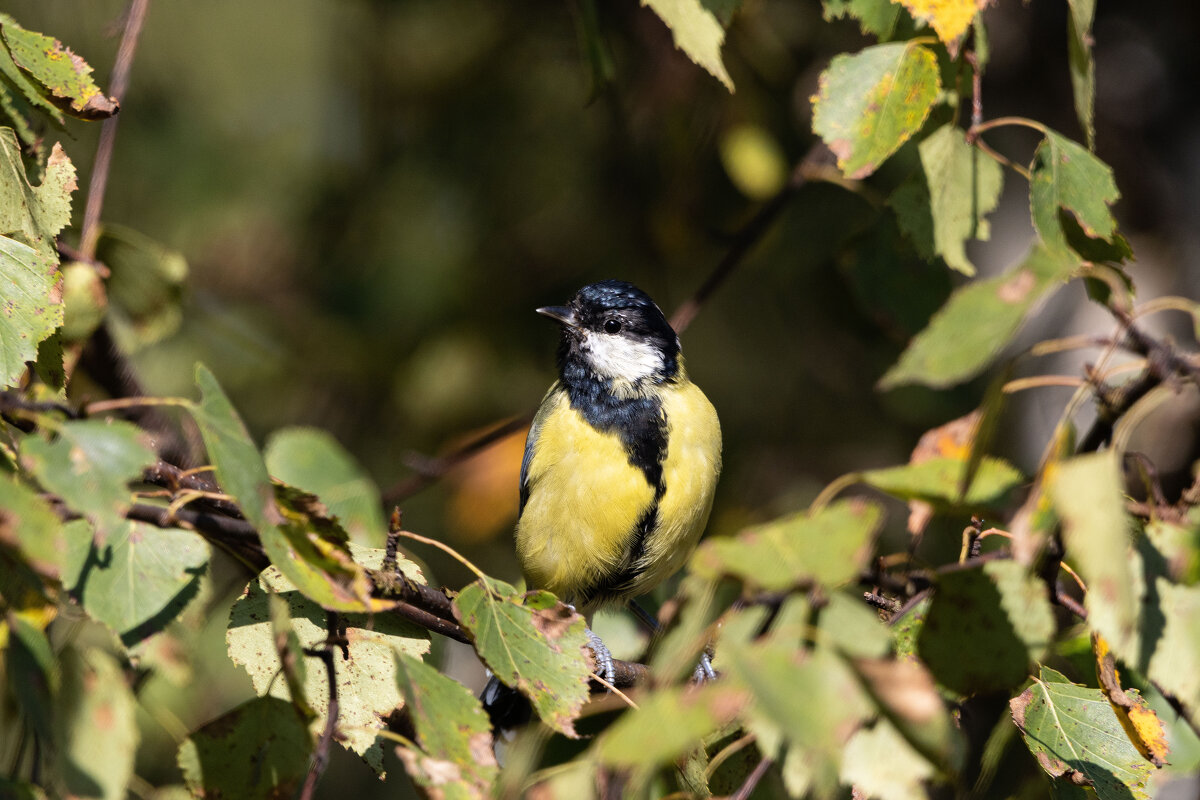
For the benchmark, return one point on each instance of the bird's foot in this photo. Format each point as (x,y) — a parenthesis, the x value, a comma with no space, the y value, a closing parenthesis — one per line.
(604,659)
(704,670)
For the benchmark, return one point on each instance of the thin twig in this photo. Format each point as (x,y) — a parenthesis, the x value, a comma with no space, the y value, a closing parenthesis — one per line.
(744,791)
(320,758)
(435,468)
(90,234)
(750,235)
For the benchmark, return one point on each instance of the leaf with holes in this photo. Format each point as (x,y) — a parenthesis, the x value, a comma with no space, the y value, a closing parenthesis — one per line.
(1073,733)
(871,102)
(531,642)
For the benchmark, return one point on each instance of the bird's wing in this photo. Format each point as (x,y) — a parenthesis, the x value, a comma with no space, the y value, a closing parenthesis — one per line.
(532,436)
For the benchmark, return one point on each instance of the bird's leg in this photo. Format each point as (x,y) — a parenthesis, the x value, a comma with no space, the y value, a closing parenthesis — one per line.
(604,659)
(704,670)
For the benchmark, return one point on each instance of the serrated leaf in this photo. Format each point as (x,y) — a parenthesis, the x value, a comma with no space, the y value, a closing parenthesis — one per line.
(1066,175)
(26,89)
(366,684)
(452,730)
(963,187)
(258,750)
(306,546)
(30,307)
(830,547)
(638,739)
(938,480)
(30,527)
(871,102)
(948,18)
(65,78)
(696,31)
(877,17)
(141,578)
(1075,736)
(978,320)
(96,726)
(312,460)
(532,643)
(90,464)
(34,215)
(1087,494)
(1082,65)
(999,614)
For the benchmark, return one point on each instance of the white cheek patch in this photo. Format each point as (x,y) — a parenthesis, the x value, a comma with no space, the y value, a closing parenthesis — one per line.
(620,359)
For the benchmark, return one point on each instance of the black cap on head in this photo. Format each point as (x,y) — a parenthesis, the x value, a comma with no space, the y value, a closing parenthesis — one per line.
(596,302)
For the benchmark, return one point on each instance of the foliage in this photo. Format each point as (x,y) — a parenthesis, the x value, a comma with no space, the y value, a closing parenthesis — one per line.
(848,655)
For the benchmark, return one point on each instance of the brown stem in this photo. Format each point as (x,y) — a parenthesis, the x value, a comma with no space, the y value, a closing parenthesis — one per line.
(320,758)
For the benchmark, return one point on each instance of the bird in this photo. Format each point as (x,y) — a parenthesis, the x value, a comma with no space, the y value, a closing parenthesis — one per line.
(621,461)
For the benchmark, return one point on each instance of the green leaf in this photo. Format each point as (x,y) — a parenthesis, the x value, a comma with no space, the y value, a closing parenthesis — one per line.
(312,460)
(32,672)
(29,526)
(31,309)
(830,547)
(1065,175)
(141,578)
(366,688)
(453,731)
(258,750)
(96,726)
(978,320)
(34,215)
(639,739)
(853,628)
(532,643)
(876,17)
(298,537)
(697,32)
(1074,734)
(962,186)
(64,78)
(90,465)
(1087,494)
(871,102)
(937,481)
(1082,65)
(997,613)
(880,763)
(26,89)
(1174,623)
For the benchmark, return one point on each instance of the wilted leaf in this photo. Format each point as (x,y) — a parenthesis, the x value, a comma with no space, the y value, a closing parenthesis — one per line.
(1141,724)
(1074,734)
(65,79)
(30,526)
(90,465)
(938,481)
(141,578)
(452,728)
(258,750)
(639,739)
(871,102)
(697,32)
(1088,496)
(997,613)
(312,460)
(366,684)
(830,547)
(95,725)
(977,322)
(948,18)
(874,16)
(534,646)
(1065,175)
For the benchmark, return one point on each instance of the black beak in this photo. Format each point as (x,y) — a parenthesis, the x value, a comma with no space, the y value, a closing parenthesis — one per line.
(562,314)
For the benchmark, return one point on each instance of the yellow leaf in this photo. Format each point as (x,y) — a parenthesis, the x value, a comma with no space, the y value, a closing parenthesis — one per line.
(949,18)
(1141,724)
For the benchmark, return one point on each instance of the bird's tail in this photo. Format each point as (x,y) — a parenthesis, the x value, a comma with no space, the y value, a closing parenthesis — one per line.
(506,707)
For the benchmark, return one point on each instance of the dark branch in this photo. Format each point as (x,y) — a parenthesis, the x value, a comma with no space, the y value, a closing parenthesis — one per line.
(320,758)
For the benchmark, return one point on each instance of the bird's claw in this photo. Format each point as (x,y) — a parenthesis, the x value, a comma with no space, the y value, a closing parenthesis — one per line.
(704,670)
(604,659)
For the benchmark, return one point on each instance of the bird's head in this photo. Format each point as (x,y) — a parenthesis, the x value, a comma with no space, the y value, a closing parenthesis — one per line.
(613,331)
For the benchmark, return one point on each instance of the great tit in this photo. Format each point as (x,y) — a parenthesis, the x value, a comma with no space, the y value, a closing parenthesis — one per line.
(622,458)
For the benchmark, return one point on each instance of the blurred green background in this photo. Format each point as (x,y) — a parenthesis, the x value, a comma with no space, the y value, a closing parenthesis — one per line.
(372,197)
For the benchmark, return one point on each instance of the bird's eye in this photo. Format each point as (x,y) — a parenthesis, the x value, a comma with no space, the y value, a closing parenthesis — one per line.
(612,326)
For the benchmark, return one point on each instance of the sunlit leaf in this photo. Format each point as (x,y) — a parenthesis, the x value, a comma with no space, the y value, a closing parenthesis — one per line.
(1141,724)
(312,460)
(906,694)
(948,18)
(90,464)
(878,762)
(978,321)
(95,725)
(258,750)
(999,614)
(639,739)
(532,643)
(871,102)
(366,684)
(1075,736)
(829,547)
(453,731)
(852,627)
(877,17)
(30,527)
(1066,175)
(64,78)
(141,578)
(697,32)
(938,481)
